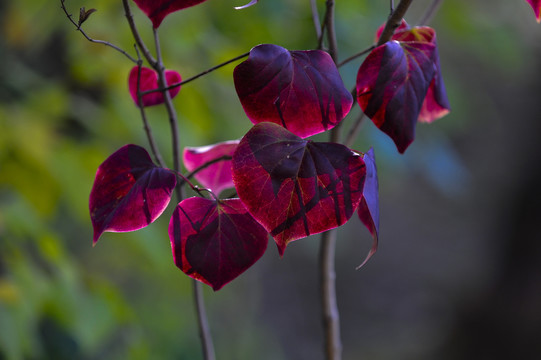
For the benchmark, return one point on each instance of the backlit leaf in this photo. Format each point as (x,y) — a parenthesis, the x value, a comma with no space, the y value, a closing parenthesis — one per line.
(216,176)
(296,187)
(368,210)
(157,10)
(436,104)
(536,6)
(148,80)
(299,90)
(215,241)
(392,84)
(129,191)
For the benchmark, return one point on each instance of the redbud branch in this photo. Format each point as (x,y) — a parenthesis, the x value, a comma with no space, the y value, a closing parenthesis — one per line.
(138,40)
(430,12)
(207,164)
(198,75)
(106,43)
(204,331)
(331,31)
(354,131)
(146,125)
(355,56)
(315,18)
(394,21)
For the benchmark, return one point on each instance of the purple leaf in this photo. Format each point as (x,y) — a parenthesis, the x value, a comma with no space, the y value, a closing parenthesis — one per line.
(299,90)
(216,176)
(296,187)
(215,241)
(536,6)
(129,191)
(157,10)
(436,104)
(369,206)
(149,81)
(392,84)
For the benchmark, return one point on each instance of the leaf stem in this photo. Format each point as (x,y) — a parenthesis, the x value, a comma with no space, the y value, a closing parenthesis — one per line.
(106,43)
(355,56)
(430,12)
(199,75)
(331,32)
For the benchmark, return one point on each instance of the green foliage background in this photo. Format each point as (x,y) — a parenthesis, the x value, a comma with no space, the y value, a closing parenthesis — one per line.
(64,107)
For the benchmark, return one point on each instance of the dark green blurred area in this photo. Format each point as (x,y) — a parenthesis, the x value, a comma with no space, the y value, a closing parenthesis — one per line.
(458,273)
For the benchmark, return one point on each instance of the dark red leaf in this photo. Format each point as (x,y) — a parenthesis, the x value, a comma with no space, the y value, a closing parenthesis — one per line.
(296,187)
(216,176)
(369,206)
(436,104)
(299,90)
(536,6)
(214,242)
(392,84)
(149,81)
(129,191)
(157,10)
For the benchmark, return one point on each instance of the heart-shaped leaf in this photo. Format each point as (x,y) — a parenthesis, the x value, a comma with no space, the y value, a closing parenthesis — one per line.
(436,104)
(215,241)
(536,6)
(392,84)
(129,191)
(216,176)
(148,80)
(368,210)
(157,10)
(299,90)
(296,187)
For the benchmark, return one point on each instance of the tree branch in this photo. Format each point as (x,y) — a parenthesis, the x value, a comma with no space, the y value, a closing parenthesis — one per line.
(430,12)
(138,40)
(106,43)
(394,21)
(331,31)
(198,75)
(315,18)
(204,332)
(331,316)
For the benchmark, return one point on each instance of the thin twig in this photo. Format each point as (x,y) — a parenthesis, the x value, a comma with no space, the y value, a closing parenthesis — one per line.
(354,131)
(204,332)
(198,75)
(106,43)
(207,164)
(353,57)
(146,124)
(315,18)
(146,53)
(394,21)
(331,316)
(430,12)
(331,32)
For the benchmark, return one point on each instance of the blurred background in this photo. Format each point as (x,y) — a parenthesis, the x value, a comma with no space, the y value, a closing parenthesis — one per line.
(458,271)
